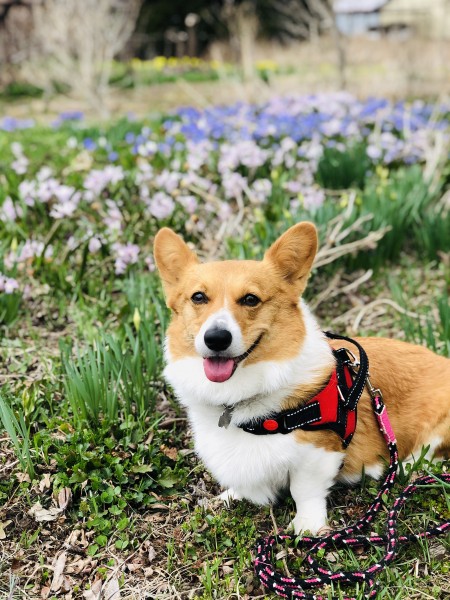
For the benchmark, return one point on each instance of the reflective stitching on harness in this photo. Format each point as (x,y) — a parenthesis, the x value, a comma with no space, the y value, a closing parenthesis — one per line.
(304,423)
(299,410)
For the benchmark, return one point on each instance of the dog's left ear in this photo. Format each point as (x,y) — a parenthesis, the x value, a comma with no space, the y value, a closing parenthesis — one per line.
(293,254)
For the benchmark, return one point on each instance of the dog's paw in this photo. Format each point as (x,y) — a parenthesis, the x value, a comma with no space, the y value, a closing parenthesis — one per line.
(314,524)
(228,495)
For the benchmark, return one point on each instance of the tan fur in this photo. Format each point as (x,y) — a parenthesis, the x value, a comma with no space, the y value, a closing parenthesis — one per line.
(415,386)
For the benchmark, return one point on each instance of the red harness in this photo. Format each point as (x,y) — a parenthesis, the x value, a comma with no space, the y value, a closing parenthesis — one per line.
(334,407)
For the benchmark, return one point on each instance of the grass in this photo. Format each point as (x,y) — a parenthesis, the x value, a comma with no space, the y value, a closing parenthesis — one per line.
(84,410)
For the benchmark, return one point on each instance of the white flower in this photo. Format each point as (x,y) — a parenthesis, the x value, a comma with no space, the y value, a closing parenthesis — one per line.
(374,152)
(94,245)
(68,200)
(188,202)
(72,142)
(17,149)
(20,165)
(261,190)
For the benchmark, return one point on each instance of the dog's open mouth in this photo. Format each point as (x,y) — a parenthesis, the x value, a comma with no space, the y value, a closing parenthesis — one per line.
(221,368)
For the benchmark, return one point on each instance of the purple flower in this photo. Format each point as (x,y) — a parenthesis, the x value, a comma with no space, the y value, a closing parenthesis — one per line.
(12,124)
(234,184)
(188,202)
(113,219)
(98,179)
(27,253)
(20,165)
(70,115)
(246,153)
(374,152)
(149,261)
(8,285)
(9,211)
(224,212)
(260,191)
(313,198)
(89,144)
(125,255)
(168,180)
(161,206)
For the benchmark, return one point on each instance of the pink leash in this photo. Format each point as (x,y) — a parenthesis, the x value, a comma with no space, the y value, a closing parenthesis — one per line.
(293,587)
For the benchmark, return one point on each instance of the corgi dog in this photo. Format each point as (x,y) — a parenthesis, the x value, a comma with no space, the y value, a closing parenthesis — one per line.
(242,346)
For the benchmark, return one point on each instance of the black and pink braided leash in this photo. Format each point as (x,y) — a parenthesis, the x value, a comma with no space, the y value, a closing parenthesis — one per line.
(294,587)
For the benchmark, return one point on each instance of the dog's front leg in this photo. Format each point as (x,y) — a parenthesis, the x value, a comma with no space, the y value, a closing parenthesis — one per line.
(309,485)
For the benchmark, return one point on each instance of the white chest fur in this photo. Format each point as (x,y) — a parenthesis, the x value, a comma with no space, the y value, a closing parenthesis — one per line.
(255,467)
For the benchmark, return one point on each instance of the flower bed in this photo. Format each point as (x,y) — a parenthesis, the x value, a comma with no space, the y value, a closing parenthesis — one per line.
(74,193)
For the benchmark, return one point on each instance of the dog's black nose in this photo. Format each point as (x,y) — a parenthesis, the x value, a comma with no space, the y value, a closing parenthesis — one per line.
(218,339)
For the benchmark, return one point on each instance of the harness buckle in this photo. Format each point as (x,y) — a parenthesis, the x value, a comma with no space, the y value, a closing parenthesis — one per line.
(354,364)
(341,395)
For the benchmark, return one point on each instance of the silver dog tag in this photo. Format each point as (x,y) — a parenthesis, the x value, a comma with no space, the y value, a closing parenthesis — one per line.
(225,417)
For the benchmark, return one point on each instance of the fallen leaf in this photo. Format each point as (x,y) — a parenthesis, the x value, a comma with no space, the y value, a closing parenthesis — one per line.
(44,514)
(95,591)
(437,551)
(332,557)
(44,483)
(78,566)
(111,590)
(171,453)
(151,554)
(58,578)
(64,497)
(21,477)
(45,592)
(3,526)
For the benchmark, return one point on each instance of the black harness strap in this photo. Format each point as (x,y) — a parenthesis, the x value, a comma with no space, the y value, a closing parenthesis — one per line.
(360,378)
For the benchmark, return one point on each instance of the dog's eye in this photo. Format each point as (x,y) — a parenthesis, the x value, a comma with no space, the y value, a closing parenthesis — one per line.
(199,298)
(249,300)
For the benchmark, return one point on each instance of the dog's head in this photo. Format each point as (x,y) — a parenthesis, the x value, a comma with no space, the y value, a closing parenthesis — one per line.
(232,314)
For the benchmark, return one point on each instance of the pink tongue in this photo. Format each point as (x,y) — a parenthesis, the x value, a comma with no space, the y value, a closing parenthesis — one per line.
(218,369)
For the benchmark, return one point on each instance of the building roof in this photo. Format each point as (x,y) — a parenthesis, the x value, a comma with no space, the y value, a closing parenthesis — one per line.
(358,6)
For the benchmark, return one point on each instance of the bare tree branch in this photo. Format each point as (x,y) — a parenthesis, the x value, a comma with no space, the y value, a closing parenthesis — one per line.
(76,42)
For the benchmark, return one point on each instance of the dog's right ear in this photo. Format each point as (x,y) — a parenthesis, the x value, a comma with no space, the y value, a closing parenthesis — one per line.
(172,256)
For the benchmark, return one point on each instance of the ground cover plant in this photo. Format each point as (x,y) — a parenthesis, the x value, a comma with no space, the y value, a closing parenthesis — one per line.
(99,487)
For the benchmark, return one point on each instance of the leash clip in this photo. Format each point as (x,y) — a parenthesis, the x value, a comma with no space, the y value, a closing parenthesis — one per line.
(375,393)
